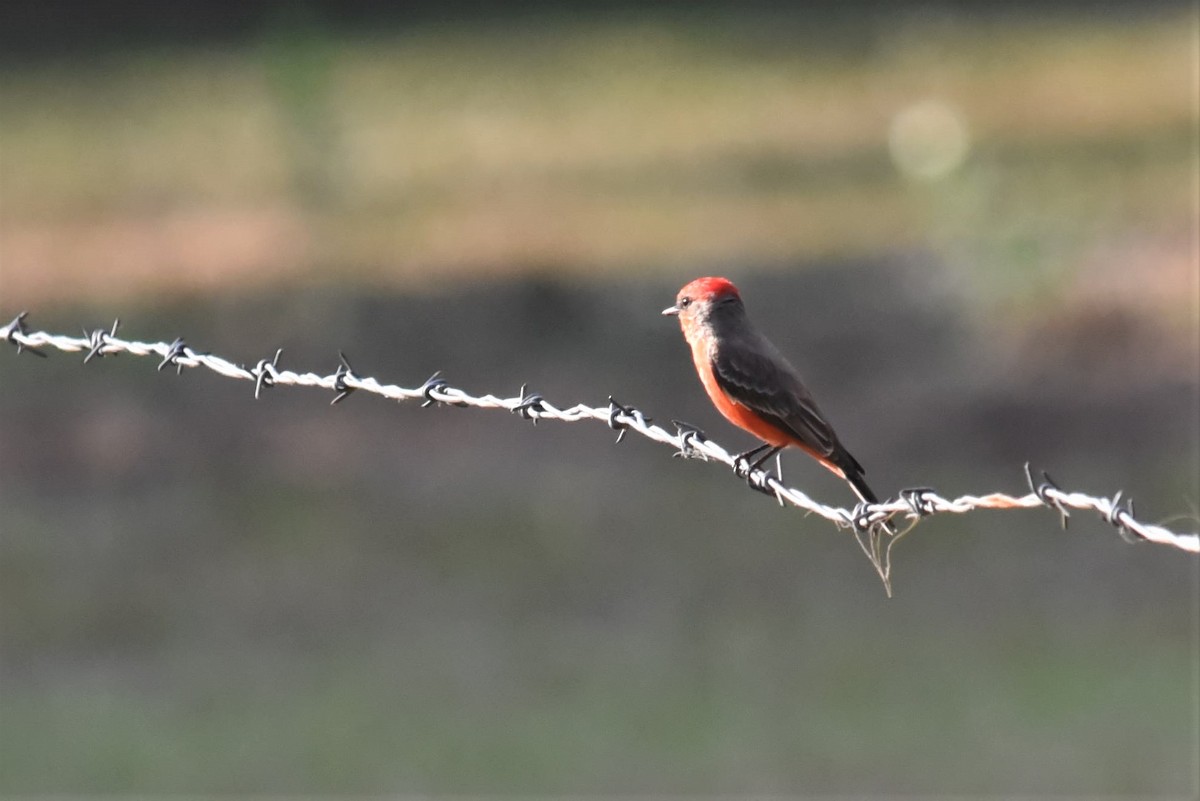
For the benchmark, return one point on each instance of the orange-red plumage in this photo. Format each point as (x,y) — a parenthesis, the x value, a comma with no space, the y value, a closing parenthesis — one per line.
(752,384)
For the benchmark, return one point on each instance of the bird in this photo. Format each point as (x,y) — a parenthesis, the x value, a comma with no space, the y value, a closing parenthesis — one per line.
(753,386)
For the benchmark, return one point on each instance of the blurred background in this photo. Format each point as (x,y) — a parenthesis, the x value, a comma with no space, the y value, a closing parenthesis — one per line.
(974,230)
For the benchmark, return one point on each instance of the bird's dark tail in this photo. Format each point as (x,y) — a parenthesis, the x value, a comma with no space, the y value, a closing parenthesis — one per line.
(852,471)
(859,485)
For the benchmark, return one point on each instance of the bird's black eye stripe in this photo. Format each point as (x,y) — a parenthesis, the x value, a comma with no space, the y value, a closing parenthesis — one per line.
(685,302)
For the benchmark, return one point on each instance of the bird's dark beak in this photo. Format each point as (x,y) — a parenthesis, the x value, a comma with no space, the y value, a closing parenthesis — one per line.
(670,311)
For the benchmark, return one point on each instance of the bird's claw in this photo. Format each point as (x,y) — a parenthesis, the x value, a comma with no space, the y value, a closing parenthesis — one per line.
(741,467)
(756,479)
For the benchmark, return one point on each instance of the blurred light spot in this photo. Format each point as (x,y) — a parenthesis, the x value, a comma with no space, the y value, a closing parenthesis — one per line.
(928,140)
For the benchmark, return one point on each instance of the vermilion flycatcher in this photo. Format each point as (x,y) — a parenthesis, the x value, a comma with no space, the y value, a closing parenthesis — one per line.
(751,383)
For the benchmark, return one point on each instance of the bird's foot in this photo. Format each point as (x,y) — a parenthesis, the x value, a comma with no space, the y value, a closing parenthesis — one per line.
(756,479)
(743,467)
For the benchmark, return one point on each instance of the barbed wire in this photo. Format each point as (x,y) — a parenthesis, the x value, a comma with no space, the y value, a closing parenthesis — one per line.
(873,524)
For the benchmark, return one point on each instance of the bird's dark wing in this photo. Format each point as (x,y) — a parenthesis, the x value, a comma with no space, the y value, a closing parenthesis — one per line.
(759,379)
(756,376)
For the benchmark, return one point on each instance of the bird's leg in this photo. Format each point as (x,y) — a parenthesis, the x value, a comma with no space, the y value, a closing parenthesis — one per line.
(775,449)
(741,462)
(744,459)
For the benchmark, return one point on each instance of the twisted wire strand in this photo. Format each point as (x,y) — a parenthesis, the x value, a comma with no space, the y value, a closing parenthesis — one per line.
(689,441)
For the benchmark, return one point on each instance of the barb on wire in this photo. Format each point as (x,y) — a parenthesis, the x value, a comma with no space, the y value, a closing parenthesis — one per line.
(432,386)
(689,436)
(619,417)
(871,523)
(17,332)
(531,405)
(174,351)
(344,370)
(98,342)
